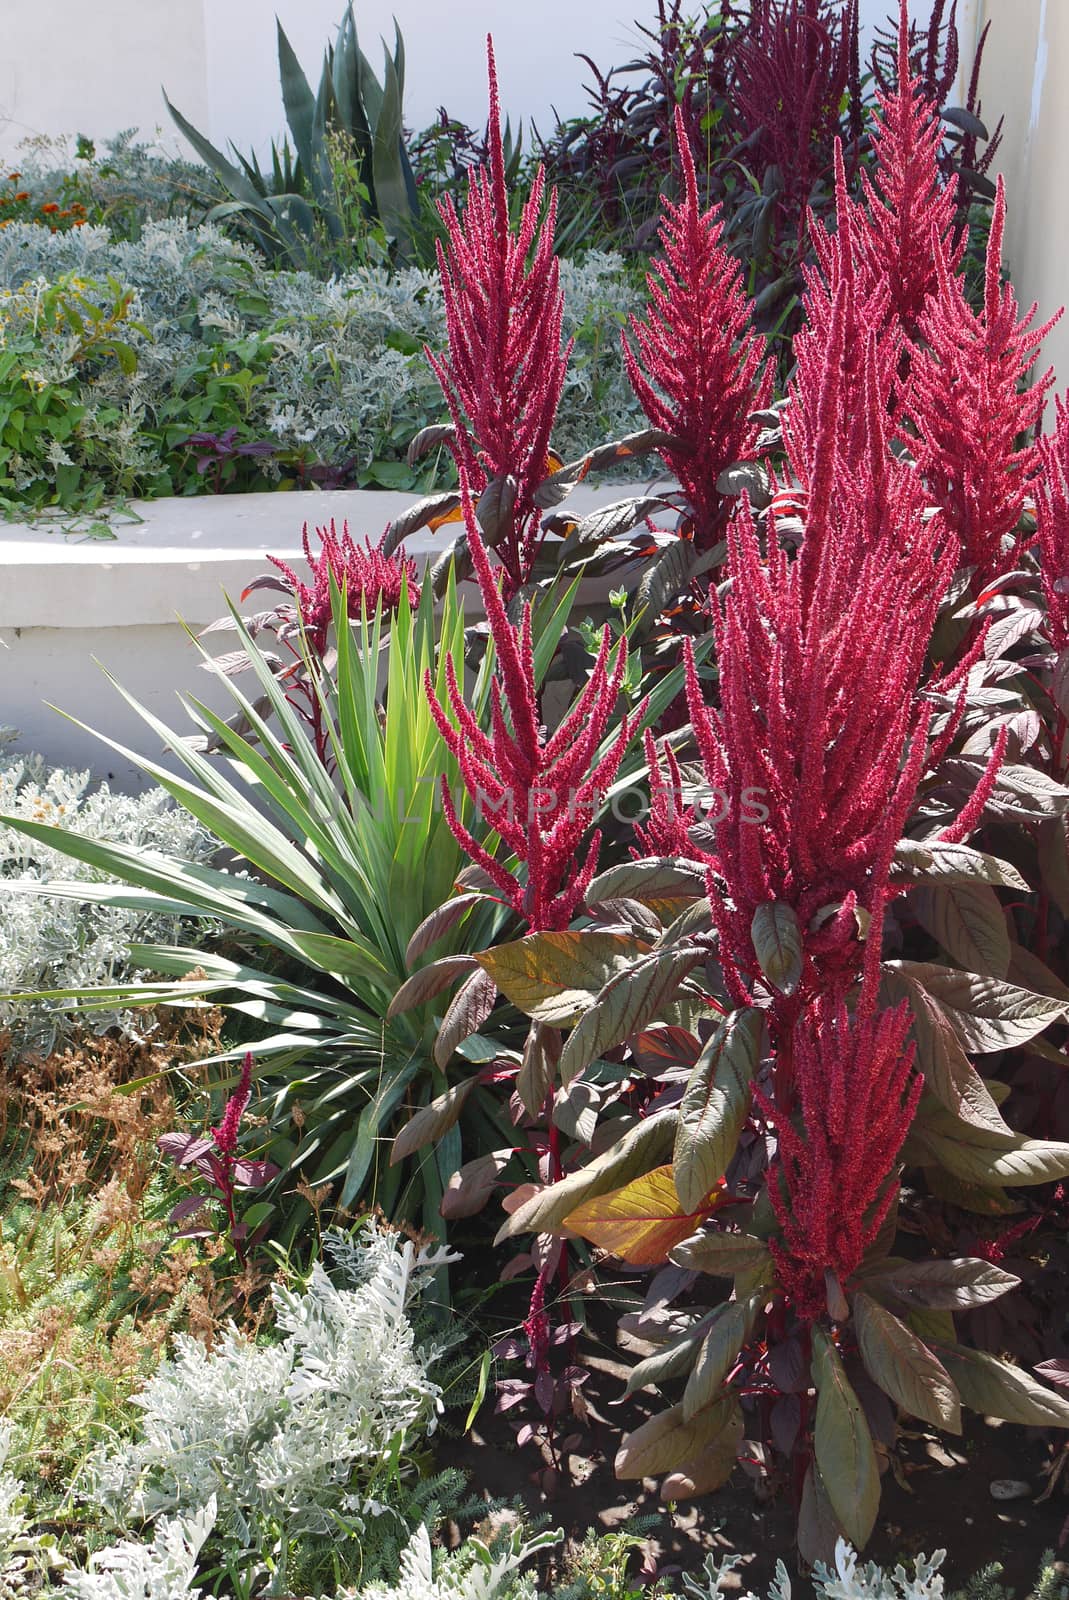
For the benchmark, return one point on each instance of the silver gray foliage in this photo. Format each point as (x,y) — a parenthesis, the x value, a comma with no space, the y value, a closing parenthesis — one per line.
(59,944)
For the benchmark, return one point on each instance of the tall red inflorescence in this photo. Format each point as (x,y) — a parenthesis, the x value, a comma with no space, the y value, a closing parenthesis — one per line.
(833,1181)
(697,366)
(970,403)
(794,66)
(538,791)
(908,202)
(369,579)
(820,721)
(1052,519)
(503,372)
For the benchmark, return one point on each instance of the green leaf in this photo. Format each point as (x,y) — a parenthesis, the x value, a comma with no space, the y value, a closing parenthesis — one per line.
(669,1440)
(555,977)
(629,1002)
(732,1328)
(842,1443)
(948,1071)
(987,1014)
(904,1368)
(994,1388)
(655,878)
(722,1254)
(715,1104)
(643,1147)
(538,1069)
(917,861)
(968,921)
(709,1470)
(1027,1162)
(777,942)
(955,1285)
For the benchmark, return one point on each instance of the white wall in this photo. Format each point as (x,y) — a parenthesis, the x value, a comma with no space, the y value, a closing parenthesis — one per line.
(69,67)
(1026,68)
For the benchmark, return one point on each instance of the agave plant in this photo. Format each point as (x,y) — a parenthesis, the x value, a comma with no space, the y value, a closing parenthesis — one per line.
(291,208)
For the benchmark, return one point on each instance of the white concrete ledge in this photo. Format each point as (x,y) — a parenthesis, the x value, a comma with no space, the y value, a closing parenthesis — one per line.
(69,606)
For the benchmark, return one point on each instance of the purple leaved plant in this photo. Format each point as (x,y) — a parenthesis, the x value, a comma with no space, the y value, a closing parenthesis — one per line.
(214,1157)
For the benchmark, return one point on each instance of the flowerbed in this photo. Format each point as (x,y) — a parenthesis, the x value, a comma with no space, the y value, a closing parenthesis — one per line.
(721,938)
(198,368)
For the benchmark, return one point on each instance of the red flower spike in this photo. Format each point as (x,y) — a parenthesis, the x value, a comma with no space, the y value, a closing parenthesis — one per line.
(368,577)
(667,830)
(1052,519)
(833,1182)
(504,370)
(539,792)
(226,1134)
(908,202)
(821,660)
(969,406)
(793,67)
(698,366)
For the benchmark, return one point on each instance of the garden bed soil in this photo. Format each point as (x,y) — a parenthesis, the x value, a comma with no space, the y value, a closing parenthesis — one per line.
(943,1500)
(936,1496)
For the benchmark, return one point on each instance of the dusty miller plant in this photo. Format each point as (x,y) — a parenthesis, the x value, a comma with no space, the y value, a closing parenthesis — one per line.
(51,944)
(289,1435)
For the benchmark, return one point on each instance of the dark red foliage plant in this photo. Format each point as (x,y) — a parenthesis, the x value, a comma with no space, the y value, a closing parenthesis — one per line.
(788,1006)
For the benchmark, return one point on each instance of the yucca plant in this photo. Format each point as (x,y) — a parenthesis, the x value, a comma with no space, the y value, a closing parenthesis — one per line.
(335,865)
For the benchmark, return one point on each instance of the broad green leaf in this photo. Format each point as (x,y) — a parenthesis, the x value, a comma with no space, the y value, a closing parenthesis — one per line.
(629,1002)
(538,1069)
(994,1388)
(671,1361)
(716,1103)
(954,1285)
(777,942)
(904,1368)
(640,1222)
(842,1445)
(987,1014)
(668,1440)
(712,1467)
(732,1328)
(818,1528)
(1026,1162)
(555,977)
(641,1148)
(948,1071)
(918,861)
(722,1254)
(657,878)
(968,921)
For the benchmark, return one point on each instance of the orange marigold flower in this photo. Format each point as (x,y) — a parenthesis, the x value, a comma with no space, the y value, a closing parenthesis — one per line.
(23,194)
(80,222)
(13,177)
(50,207)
